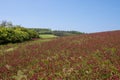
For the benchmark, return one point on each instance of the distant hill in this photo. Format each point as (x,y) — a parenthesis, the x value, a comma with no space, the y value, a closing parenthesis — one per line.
(56,32)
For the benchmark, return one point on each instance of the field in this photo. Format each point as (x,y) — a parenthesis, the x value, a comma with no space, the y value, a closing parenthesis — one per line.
(94,56)
(44,36)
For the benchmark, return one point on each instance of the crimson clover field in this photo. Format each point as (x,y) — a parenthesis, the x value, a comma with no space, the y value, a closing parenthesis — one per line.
(94,56)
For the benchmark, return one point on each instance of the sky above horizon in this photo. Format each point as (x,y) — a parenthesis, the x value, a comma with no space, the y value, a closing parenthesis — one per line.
(80,15)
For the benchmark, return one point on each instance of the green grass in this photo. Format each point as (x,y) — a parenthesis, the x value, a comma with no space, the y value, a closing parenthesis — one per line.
(11,47)
(44,36)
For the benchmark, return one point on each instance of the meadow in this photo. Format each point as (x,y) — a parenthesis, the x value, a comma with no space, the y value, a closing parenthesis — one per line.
(44,36)
(94,56)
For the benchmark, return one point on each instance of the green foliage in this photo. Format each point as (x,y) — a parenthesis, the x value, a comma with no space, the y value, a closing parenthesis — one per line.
(66,33)
(16,34)
(42,30)
(32,33)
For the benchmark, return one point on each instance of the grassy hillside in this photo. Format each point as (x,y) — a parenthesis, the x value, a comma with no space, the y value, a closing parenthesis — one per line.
(44,36)
(93,56)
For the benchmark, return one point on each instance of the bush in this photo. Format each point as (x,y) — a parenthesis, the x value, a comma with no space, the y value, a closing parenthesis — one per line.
(16,34)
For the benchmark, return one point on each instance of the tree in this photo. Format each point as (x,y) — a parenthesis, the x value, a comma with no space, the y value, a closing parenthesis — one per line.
(3,23)
(6,24)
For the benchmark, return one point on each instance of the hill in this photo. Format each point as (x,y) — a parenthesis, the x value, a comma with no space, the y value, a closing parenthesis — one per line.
(59,33)
(94,56)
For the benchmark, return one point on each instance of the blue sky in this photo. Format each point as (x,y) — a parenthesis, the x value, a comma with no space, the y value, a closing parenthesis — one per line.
(81,15)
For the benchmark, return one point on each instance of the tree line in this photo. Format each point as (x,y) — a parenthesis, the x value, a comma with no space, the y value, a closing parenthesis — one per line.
(59,33)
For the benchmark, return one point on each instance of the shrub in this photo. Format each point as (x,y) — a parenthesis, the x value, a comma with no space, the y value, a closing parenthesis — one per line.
(16,34)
